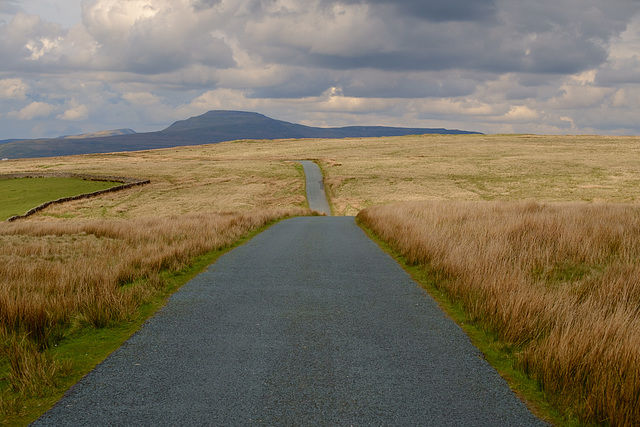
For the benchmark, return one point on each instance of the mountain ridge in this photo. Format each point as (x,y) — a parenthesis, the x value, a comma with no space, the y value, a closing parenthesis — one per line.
(211,127)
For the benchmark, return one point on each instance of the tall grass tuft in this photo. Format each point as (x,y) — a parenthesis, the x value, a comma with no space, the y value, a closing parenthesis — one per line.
(31,371)
(57,276)
(560,281)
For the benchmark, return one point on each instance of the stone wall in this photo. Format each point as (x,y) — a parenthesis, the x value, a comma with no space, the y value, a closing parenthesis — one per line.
(126,183)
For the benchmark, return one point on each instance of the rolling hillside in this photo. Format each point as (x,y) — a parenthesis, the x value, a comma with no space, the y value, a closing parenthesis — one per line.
(211,127)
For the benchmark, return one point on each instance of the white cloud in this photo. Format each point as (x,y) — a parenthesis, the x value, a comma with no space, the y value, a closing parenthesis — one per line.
(150,37)
(579,97)
(13,89)
(141,98)
(222,99)
(333,100)
(76,112)
(33,111)
(323,31)
(42,46)
(522,114)
(119,16)
(488,65)
(459,107)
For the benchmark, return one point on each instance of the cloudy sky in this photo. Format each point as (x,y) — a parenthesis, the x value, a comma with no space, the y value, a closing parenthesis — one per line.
(495,66)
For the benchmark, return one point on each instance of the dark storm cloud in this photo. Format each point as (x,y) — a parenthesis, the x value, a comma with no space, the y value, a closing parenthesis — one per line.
(359,86)
(626,72)
(299,85)
(440,10)
(520,93)
(426,47)
(201,5)
(553,53)
(594,18)
(149,58)
(449,55)
(461,34)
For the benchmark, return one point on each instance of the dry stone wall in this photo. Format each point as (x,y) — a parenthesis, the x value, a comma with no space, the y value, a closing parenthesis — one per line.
(126,183)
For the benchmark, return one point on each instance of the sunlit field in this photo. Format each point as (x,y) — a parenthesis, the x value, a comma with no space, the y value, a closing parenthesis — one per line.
(93,263)
(359,172)
(22,194)
(182,181)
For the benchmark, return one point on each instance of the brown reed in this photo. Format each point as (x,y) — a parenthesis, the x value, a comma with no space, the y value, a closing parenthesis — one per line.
(560,281)
(56,277)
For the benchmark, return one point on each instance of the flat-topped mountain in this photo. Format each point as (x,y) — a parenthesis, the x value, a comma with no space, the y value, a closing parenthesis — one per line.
(211,127)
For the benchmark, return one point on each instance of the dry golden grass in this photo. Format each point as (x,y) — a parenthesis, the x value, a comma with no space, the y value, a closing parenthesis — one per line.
(359,172)
(560,281)
(55,274)
(56,277)
(191,185)
(479,167)
(183,180)
(93,262)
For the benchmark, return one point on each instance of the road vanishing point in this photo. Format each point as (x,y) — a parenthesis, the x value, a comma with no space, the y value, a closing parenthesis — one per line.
(307,324)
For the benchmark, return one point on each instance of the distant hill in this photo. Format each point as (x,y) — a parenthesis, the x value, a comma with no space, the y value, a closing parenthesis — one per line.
(211,127)
(100,134)
(6,141)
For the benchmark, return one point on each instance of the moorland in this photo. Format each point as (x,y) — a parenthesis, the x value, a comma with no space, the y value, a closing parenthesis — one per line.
(21,195)
(210,127)
(531,238)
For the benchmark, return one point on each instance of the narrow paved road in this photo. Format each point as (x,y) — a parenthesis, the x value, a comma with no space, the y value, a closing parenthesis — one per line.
(309,323)
(315,187)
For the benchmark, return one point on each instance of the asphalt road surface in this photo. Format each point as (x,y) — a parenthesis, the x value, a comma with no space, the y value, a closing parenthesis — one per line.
(307,324)
(315,187)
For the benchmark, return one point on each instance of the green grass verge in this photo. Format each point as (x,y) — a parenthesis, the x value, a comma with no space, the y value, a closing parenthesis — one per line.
(18,195)
(85,348)
(500,355)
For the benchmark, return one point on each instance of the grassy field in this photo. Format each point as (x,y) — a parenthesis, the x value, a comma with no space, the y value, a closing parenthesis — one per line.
(559,284)
(20,195)
(60,281)
(358,173)
(82,274)
(186,183)
(244,179)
